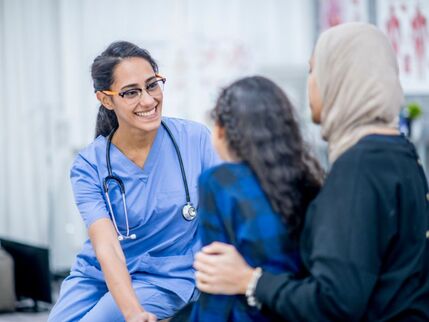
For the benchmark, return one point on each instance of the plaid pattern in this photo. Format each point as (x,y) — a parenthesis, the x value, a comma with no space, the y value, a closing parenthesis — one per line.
(235,210)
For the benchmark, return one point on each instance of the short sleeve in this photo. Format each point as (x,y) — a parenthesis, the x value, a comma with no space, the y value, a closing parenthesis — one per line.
(209,156)
(87,191)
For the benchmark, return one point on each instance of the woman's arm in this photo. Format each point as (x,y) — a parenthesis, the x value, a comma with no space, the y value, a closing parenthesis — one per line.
(111,257)
(92,207)
(343,247)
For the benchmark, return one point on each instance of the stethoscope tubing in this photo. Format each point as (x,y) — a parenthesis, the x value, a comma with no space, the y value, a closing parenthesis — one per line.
(179,156)
(188,212)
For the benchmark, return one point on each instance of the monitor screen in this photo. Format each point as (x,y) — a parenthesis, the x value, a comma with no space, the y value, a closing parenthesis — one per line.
(32,272)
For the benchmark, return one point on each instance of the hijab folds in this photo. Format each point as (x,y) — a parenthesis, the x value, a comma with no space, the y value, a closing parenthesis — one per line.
(357,73)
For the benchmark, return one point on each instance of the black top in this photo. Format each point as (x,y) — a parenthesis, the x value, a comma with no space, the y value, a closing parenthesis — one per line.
(364,241)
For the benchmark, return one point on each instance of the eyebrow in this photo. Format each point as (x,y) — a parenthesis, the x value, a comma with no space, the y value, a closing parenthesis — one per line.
(137,85)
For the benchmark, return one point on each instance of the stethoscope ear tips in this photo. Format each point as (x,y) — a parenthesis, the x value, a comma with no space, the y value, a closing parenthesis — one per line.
(122,237)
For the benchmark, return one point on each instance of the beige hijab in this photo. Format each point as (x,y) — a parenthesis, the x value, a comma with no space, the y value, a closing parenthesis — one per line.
(357,74)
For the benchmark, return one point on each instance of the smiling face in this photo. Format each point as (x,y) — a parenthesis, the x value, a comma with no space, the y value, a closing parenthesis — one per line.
(133,76)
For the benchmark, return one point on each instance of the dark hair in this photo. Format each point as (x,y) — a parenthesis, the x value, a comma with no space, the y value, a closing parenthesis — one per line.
(102,75)
(262,131)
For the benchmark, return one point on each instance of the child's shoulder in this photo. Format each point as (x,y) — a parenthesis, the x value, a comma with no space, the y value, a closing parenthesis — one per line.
(226,174)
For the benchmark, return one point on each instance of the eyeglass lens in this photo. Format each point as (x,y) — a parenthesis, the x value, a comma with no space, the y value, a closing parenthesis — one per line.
(153,88)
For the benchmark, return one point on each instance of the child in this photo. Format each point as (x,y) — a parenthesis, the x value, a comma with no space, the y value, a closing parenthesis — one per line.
(257,199)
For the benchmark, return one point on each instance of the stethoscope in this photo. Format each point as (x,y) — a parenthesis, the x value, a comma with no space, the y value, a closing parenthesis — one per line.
(188,211)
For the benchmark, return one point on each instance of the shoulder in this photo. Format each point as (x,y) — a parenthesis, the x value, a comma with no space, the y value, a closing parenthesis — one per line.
(351,160)
(226,174)
(373,154)
(349,171)
(374,163)
(91,154)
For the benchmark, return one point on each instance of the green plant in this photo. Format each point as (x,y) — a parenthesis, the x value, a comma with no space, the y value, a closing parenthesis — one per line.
(413,110)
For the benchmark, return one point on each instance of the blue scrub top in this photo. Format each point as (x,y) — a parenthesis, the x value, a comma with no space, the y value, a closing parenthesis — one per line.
(163,252)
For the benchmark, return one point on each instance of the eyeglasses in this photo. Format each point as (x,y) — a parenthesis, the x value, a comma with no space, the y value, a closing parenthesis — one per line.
(131,96)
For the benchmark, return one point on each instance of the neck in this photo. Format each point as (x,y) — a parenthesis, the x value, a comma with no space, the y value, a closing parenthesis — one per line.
(384,131)
(230,156)
(130,139)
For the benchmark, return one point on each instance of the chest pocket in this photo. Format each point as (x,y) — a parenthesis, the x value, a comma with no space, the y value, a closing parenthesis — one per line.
(178,232)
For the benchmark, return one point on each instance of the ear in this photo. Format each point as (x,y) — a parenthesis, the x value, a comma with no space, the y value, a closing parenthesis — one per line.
(105,100)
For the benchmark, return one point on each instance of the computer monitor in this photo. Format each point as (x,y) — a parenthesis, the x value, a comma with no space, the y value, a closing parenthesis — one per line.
(32,272)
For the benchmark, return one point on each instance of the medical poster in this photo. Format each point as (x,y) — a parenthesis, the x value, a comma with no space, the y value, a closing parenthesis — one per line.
(335,12)
(406,24)
(201,71)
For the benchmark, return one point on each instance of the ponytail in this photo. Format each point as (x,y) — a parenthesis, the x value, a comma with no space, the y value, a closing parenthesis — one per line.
(106,121)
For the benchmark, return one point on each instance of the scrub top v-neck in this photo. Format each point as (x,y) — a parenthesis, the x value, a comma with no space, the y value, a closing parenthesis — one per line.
(162,253)
(132,168)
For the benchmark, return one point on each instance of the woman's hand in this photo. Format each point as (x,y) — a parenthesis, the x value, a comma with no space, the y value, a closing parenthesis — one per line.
(143,317)
(221,270)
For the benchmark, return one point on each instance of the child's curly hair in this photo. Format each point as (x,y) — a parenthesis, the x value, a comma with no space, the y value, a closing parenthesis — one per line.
(262,131)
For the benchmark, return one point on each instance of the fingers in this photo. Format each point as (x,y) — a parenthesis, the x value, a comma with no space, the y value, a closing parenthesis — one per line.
(211,254)
(204,287)
(203,278)
(217,248)
(203,283)
(143,317)
(204,262)
(151,317)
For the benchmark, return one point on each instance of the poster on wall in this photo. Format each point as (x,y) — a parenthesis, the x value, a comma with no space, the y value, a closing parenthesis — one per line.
(406,24)
(201,69)
(335,12)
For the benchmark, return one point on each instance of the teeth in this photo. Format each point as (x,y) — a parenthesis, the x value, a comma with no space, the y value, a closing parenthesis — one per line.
(148,113)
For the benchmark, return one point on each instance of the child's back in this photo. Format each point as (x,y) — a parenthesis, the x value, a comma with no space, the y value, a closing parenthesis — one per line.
(235,210)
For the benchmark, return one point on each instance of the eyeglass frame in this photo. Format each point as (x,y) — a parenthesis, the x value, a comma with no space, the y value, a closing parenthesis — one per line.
(122,93)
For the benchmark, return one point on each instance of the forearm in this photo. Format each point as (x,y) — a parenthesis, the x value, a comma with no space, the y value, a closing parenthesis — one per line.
(118,281)
(272,292)
(325,298)
(113,264)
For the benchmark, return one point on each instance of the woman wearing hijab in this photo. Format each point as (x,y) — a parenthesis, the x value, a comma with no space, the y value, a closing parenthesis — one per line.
(364,242)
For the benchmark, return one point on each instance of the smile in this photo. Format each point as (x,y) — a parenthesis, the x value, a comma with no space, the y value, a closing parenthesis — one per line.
(147,113)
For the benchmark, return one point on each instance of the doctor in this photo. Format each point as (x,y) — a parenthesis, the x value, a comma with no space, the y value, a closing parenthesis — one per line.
(135,188)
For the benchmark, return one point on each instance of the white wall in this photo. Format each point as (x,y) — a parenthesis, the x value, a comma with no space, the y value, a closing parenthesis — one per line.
(30,96)
(48,105)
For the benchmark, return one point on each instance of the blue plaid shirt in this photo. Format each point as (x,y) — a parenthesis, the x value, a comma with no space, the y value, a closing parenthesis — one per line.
(235,210)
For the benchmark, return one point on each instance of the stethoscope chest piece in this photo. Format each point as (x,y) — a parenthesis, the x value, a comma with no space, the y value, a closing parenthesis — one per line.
(189,212)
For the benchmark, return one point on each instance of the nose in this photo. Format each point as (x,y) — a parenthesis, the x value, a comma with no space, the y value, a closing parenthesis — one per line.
(146,98)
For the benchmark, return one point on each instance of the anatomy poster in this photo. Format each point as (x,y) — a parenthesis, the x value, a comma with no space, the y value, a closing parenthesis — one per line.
(335,12)
(406,24)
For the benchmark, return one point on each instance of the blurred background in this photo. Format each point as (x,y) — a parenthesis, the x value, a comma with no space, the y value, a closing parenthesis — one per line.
(48,106)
